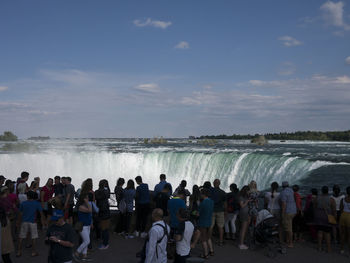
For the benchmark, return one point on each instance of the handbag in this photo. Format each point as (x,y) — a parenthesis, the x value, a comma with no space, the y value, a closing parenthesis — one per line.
(331,218)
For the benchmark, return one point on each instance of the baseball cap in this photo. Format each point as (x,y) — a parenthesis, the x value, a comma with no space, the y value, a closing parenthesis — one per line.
(57,214)
(285,184)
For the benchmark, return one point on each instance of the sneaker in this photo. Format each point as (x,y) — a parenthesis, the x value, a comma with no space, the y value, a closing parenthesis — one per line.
(130,236)
(243,247)
(103,247)
(143,235)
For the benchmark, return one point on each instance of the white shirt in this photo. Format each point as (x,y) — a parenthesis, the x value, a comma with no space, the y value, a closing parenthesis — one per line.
(153,248)
(337,201)
(183,246)
(274,203)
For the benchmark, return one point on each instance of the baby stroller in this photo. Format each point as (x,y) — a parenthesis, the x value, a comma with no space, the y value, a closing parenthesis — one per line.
(266,232)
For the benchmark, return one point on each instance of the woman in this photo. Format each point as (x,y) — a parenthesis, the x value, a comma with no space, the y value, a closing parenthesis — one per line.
(324,206)
(253,204)
(272,203)
(85,217)
(244,217)
(129,194)
(232,210)
(118,191)
(6,237)
(344,222)
(102,201)
(34,186)
(195,200)
(46,197)
(204,222)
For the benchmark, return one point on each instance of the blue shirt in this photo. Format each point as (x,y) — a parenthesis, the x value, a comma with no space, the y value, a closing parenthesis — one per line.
(29,209)
(287,196)
(85,218)
(205,212)
(129,196)
(159,187)
(173,206)
(143,194)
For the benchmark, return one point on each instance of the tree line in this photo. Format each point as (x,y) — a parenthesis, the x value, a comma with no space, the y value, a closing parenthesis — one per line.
(299,135)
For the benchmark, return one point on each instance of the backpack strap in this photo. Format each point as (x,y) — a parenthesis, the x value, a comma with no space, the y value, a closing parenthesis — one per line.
(165,233)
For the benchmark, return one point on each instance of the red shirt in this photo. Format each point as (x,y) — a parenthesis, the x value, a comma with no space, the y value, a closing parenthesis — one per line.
(297,198)
(48,193)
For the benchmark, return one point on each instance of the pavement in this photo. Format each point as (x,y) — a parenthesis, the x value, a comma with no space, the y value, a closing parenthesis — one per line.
(124,251)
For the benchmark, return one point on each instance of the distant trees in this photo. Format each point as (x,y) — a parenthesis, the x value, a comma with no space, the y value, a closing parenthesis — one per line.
(299,135)
(8,137)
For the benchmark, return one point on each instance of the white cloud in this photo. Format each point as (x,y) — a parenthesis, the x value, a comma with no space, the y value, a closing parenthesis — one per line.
(333,13)
(153,23)
(289,41)
(3,88)
(342,80)
(347,60)
(149,87)
(288,68)
(182,45)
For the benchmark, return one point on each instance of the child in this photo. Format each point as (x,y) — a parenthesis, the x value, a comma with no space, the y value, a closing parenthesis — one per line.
(28,210)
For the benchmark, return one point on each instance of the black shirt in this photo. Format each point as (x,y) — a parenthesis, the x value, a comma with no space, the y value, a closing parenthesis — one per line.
(161,200)
(59,253)
(58,188)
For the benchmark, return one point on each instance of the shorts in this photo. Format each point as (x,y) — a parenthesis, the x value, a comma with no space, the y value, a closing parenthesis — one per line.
(104,224)
(28,227)
(218,218)
(345,220)
(326,229)
(287,222)
(204,233)
(48,209)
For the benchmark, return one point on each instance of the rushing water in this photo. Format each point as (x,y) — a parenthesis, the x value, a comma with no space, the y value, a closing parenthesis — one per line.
(306,163)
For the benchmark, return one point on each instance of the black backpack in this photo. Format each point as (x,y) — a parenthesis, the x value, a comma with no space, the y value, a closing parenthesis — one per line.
(142,253)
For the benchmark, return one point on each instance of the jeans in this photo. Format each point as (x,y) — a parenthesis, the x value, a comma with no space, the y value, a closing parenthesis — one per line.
(230,220)
(142,211)
(85,235)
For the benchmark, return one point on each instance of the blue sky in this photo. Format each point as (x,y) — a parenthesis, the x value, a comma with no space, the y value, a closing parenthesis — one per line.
(173,68)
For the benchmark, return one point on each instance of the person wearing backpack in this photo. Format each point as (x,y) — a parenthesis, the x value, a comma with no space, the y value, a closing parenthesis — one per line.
(157,239)
(232,210)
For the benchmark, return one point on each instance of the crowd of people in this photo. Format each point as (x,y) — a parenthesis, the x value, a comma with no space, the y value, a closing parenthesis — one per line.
(171,222)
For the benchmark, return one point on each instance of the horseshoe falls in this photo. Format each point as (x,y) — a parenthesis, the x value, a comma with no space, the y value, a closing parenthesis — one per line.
(306,163)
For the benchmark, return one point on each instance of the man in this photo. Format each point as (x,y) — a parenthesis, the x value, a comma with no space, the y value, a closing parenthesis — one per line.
(157,239)
(142,202)
(183,236)
(2,180)
(58,186)
(102,196)
(174,205)
(28,213)
(289,210)
(60,236)
(182,186)
(159,187)
(68,193)
(161,199)
(22,187)
(218,218)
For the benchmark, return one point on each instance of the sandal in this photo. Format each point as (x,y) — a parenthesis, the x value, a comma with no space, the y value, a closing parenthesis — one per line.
(204,256)
(211,253)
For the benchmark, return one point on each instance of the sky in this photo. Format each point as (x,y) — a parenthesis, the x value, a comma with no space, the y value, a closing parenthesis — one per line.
(170,68)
